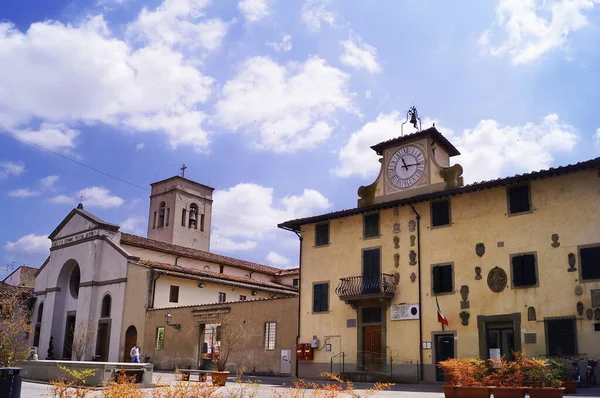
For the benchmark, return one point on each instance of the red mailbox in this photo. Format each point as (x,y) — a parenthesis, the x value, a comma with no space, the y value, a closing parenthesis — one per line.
(304,352)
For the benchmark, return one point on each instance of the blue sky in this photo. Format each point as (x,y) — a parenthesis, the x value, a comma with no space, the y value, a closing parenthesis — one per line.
(275,103)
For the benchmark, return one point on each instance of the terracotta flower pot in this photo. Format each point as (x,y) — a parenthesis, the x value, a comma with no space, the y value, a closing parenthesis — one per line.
(472,392)
(570,386)
(546,392)
(219,378)
(449,391)
(509,392)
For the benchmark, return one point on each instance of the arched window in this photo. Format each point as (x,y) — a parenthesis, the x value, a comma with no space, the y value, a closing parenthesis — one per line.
(161,214)
(38,325)
(74,280)
(106,304)
(193,218)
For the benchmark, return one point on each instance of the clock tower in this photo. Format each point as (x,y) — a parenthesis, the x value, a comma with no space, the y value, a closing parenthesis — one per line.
(412,165)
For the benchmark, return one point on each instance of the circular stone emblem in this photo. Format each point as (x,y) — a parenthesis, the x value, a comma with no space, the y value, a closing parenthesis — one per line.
(497,279)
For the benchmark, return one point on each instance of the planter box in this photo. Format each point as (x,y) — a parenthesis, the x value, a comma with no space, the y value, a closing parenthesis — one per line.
(570,386)
(449,391)
(472,392)
(509,392)
(219,378)
(546,392)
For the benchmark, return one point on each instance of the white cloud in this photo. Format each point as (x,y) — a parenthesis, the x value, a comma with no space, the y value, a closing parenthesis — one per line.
(47,67)
(11,169)
(99,197)
(368,94)
(315,13)
(284,45)
(134,225)
(489,151)
(257,214)
(530,34)
(23,193)
(289,107)
(140,146)
(597,138)
(62,200)
(179,24)
(359,54)
(29,244)
(48,183)
(254,10)
(277,259)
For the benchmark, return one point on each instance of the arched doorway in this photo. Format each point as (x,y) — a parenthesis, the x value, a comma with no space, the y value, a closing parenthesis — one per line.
(130,341)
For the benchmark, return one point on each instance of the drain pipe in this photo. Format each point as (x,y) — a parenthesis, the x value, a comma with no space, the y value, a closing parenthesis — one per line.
(421,367)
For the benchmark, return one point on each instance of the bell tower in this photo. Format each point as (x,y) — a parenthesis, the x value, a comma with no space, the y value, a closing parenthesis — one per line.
(181,213)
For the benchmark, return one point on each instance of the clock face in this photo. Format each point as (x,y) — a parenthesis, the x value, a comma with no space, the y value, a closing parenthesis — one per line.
(406,167)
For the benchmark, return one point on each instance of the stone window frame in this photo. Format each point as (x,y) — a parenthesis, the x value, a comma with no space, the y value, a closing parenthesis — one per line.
(482,320)
(537,272)
(222,297)
(108,296)
(267,336)
(572,318)
(173,293)
(435,333)
(312,301)
(450,263)
(328,234)
(580,268)
(431,226)
(364,237)
(508,188)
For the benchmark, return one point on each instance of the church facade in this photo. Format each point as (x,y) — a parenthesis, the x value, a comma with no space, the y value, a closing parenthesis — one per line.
(95,289)
(426,268)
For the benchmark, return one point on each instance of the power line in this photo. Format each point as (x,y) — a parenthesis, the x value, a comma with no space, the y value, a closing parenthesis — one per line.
(115,177)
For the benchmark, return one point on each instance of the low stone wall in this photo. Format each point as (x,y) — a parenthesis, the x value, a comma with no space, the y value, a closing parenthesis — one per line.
(105,371)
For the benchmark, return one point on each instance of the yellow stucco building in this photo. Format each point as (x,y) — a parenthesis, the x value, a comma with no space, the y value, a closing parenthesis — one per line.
(514,264)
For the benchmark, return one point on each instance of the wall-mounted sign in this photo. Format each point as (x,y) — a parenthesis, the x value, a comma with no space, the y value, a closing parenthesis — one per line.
(401,312)
(426,345)
(75,238)
(328,347)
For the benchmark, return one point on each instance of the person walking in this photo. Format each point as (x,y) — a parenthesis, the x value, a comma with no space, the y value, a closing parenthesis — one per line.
(135,354)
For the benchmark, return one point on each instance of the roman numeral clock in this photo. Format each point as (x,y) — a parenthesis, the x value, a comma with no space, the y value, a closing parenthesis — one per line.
(406,166)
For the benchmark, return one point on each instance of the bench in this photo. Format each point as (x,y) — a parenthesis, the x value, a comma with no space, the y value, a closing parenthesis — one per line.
(185,374)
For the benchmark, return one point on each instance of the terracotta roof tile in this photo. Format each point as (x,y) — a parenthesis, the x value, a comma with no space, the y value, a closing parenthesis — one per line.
(216,277)
(134,240)
(6,289)
(430,132)
(221,304)
(291,271)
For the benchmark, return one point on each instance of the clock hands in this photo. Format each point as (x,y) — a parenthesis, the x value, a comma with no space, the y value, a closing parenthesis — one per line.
(414,164)
(404,163)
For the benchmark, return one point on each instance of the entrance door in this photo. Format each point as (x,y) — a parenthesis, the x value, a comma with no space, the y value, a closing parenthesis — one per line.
(102,341)
(130,341)
(372,355)
(371,271)
(500,342)
(69,335)
(444,349)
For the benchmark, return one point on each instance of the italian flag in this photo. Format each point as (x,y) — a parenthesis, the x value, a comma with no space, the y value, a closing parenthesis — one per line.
(441,318)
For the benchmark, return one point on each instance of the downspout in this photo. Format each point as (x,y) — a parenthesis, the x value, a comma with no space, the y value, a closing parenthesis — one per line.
(421,367)
(299,290)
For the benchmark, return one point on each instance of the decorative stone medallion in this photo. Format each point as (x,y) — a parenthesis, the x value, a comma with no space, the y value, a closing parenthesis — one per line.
(412,240)
(464,294)
(396,260)
(578,290)
(589,314)
(396,242)
(580,308)
(480,249)
(497,279)
(397,278)
(464,318)
(531,314)
(478,273)
(396,228)
(571,258)
(555,242)
(412,257)
(413,277)
(412,225)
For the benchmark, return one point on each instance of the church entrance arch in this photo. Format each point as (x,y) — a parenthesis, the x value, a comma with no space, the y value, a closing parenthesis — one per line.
(130,341)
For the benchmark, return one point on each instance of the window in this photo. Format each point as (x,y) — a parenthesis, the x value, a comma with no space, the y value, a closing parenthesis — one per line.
(371,225)
(589,258)
(442,279)
(174,294)
(106,303)
(222,297)
(160,338)
(221,269)
(518,199)
(296,282)
(440,213)
(371,315)
(154,222)
(161,215)
(321,234)
(270,335)
(74,281)
(321,297)
(183,213)
(193,219)
(168,216)
(596,327)
(38,325)
(524,270)
(561,337)
(201,222)
(242,297)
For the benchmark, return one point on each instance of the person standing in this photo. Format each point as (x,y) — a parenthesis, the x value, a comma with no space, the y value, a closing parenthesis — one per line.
(135,354)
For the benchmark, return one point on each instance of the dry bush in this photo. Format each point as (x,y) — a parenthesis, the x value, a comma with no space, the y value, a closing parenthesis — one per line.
(122,387)
(233,332)
(71,384)
(302,389)
(14,330)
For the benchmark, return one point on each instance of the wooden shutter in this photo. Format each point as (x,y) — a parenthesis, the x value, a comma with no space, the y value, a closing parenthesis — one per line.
(590,262)
(436,279)
(519,199)
(517,270)
(371,227)
(528,265)
(446,278)
(371,263)
(322,234)
(440,213)
(324,297)
(318,296)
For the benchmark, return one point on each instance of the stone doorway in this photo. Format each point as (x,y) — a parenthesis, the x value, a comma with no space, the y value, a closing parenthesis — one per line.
(130,341)
(69,335)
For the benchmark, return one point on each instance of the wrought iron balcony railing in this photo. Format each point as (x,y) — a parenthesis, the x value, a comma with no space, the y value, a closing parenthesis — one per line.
(364,287)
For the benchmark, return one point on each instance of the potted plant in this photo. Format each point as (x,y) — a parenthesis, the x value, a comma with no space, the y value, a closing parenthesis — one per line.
(449,367)
(545,379)
(507,377)
(562,369)
(230,333)
(467,376)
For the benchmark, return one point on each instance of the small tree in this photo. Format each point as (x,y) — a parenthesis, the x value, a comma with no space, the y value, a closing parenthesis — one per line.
(231,334)
(14,329)
(83,338)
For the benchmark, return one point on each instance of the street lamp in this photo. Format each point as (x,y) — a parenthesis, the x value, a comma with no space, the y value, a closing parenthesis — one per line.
(168,318)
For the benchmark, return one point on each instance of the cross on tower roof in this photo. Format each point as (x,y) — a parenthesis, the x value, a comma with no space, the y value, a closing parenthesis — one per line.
(183,170)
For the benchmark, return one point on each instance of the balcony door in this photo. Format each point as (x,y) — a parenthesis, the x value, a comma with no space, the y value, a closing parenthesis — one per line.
(371,271)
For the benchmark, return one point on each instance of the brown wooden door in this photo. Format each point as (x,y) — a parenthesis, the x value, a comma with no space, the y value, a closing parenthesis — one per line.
(130,340)
(102,341)
(373,358)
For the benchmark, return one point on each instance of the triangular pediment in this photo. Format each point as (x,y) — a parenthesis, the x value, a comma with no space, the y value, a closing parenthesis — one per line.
(78,221)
